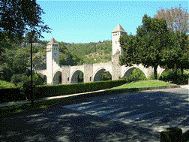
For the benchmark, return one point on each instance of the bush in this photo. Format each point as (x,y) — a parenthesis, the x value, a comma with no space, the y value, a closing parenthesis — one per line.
(17,78)
(170,76)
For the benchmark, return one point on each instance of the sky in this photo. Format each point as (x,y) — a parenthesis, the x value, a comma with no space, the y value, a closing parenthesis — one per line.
(93,21)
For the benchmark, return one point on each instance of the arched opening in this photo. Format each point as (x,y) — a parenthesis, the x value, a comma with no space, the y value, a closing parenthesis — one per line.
(134,74)
(77,77)
(102,75)
(57,79)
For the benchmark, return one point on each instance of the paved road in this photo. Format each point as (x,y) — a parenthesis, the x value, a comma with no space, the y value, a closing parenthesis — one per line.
(135,117)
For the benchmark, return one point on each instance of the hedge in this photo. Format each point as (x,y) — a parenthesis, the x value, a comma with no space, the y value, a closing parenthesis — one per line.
(13,94)
(63,89)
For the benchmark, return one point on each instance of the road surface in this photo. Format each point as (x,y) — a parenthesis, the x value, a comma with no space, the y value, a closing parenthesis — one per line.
(138,116)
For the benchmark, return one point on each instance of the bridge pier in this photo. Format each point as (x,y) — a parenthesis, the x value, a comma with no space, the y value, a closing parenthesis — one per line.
(66,75)
(88,73)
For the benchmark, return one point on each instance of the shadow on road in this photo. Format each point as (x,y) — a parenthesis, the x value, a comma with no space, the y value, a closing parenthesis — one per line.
(62,124)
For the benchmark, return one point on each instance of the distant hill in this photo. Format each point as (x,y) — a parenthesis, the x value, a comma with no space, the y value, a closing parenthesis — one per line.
(91,52)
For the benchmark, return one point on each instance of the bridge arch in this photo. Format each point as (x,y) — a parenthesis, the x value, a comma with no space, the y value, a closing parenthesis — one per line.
(75,76)
(128,71)
(57,78)
(98,73)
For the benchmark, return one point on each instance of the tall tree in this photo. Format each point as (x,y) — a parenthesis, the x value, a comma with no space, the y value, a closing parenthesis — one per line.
(178,22)
(147,46)
(177,18)
(176,54)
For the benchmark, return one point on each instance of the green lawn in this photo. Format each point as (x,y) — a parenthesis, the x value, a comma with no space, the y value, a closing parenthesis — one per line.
(140,84)
(5,84)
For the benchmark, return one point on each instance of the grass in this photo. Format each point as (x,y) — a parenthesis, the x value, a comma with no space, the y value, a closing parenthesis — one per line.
(5,84)
(141,84)
(42,105)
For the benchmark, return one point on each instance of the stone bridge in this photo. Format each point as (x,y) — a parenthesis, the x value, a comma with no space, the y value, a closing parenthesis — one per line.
(91,72)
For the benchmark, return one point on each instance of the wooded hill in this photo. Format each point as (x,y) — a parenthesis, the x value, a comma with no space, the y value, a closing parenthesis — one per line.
(77,54)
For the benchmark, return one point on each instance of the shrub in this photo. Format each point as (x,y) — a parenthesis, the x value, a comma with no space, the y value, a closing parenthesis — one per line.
(17,78)
(170,76)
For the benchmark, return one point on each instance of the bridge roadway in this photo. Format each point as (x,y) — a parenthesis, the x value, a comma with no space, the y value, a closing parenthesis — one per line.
(138,116)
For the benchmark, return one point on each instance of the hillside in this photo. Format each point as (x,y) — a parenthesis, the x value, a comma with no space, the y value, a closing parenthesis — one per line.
(76,54)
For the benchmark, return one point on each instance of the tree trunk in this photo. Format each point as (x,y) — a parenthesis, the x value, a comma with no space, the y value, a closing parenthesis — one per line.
(182,70)
(32,97)
(175,73)
(155,71)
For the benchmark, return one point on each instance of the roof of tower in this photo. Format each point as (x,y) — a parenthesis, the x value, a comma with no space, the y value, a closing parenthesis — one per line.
(118,29)
(52,41)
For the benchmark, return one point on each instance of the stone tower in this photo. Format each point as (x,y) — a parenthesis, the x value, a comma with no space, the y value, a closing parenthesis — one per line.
(117,32)
(52,58)
(116,51)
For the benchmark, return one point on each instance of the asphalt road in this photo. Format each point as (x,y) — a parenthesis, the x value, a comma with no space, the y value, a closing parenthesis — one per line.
(132,117)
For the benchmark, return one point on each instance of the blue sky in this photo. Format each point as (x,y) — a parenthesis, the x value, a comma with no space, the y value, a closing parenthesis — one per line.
(93,21)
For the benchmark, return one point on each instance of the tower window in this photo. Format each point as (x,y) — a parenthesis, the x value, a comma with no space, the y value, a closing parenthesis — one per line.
(115,42)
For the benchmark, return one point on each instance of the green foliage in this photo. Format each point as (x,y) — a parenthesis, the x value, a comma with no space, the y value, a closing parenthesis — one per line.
(80,77)
(146,47)
(136,75)
(37,79)
(130,54)
(17,78)
(66,57)
(15,62)
(18,16)
(105,76)
(5,84)
(64,89)
(169,75)
(176,53)
(91,52)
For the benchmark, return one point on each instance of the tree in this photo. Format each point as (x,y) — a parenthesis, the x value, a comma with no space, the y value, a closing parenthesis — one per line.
(178,22)
(19,16)
(129,46)
(177,18)
(15,62)
(176,54)
(147,46)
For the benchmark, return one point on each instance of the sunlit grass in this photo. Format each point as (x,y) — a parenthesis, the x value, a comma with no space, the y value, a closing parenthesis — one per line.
(140,84)
(5,84)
